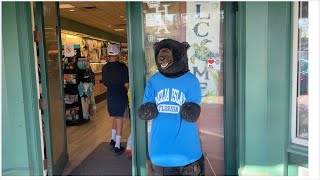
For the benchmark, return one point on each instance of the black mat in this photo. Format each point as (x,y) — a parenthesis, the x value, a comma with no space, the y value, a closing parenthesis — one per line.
(102,162)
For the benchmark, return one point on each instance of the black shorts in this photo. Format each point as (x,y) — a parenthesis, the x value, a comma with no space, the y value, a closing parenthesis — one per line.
(117,100)
(193,169)
(124,116)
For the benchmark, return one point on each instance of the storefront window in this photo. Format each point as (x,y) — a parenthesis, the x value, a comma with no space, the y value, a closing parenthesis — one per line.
(300,76)
(199,23)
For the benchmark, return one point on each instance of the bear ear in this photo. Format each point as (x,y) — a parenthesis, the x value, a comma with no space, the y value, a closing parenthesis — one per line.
(186,44)
(155,45)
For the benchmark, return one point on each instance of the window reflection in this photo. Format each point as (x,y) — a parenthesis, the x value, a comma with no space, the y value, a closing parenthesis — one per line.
(201,25)
(303,60)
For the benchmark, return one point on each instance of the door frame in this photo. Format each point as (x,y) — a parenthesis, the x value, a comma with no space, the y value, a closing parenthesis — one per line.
(136,63)
(58,168)
(229,74)
(63,159)
(137,82)
(22,15)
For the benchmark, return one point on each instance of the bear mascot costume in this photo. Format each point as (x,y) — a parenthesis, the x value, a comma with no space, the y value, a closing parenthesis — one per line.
(172,101)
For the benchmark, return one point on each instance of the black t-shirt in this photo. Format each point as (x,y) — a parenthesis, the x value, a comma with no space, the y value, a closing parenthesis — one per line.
(115,73)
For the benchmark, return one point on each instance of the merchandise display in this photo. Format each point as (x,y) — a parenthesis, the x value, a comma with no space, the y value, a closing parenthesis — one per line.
(123,56)
(95,51)
(90,54)
(70,79)
(78,86)
(70,99)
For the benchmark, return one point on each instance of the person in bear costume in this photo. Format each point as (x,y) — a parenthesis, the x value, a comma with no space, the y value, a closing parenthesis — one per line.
(172,101)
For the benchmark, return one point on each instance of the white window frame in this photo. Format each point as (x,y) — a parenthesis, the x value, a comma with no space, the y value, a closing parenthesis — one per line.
(294,120)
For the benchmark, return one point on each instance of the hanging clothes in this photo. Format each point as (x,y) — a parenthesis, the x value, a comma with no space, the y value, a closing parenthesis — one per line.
(85,91)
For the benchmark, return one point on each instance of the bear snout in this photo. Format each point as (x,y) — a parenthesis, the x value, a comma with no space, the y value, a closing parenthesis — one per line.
(161,58)
(165,58)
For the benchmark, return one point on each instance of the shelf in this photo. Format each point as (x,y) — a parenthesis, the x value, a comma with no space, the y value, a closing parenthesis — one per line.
(72,79)
(71,91)
(72,104)
(69,71)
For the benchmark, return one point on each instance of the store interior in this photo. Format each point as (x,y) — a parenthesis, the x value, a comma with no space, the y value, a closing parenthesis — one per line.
(104,24)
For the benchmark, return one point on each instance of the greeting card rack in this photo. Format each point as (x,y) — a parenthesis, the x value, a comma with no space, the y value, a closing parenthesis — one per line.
(72,99)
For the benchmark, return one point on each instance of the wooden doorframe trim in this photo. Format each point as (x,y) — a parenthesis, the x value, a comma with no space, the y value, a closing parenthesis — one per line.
(44,80)
(63,159)
(52,169)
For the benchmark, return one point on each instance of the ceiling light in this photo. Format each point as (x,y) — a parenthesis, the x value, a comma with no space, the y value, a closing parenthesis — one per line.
(122,16)
(119,29)
(76,34)
(71,10)
(65,6)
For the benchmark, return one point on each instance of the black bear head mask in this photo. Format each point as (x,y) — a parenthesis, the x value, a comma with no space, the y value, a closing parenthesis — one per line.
(171,57)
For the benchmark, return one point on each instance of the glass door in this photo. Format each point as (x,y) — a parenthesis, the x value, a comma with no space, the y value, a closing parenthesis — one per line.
(47,23)
(201,24)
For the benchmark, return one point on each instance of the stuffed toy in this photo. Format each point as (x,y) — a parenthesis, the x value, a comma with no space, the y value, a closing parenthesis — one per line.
(172,101)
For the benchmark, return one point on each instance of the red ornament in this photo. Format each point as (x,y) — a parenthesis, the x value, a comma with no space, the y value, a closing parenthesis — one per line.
(210,61)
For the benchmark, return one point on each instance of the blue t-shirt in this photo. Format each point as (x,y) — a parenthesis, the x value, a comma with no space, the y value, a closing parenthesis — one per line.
(173,140)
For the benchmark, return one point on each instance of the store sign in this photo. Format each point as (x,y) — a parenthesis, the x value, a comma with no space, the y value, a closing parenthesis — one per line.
(68,50)
(160,19)
(203,34)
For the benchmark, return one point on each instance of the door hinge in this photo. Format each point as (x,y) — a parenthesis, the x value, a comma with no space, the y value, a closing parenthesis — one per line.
(36,36)
(42,103)
(46,164)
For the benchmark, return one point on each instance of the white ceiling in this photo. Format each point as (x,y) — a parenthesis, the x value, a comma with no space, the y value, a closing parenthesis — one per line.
(106,16)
